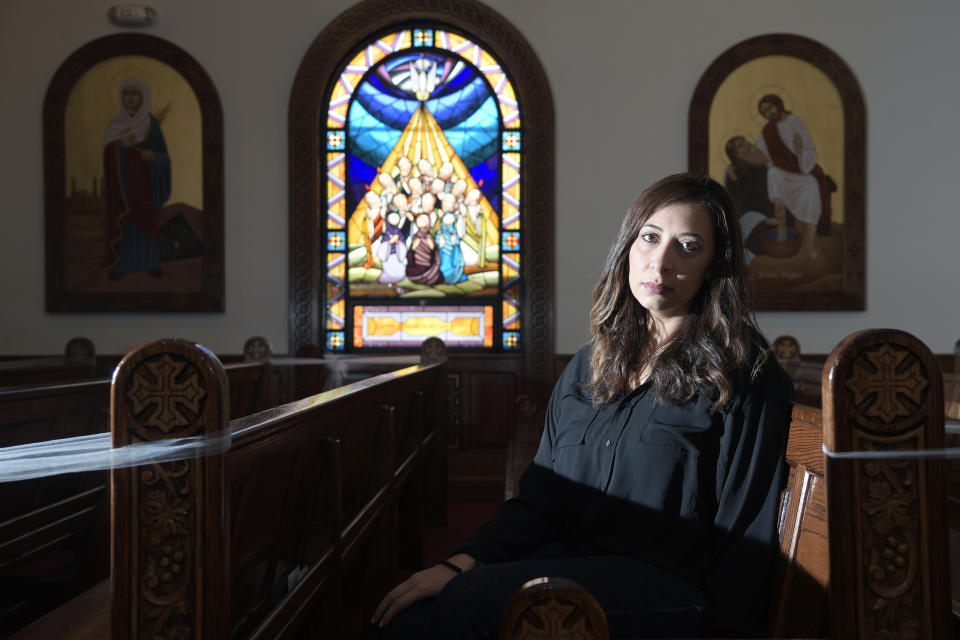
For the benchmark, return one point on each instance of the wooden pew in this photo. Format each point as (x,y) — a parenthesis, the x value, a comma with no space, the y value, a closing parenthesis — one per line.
(804,372)
(54,530)
(881,554)
(78,363)
(297,522)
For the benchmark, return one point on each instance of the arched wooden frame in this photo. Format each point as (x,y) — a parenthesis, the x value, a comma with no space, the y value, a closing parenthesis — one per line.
(852,293)
(210,296)
(307,104)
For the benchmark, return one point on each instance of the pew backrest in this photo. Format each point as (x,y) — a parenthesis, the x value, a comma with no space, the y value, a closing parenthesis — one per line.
(293,521)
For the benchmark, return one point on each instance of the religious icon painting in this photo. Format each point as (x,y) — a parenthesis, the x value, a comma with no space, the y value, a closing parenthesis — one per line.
(423,151)
(779,121)
(134,180)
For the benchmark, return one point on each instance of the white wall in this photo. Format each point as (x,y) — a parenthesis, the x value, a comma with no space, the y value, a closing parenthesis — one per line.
(642,59)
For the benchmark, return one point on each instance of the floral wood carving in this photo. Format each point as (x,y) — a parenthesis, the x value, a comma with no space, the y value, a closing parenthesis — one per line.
(890,377)
(883,392)
(168,568)
(167,516)
(890,556)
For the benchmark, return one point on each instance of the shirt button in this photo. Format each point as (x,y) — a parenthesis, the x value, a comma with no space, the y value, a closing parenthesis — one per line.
(607,443)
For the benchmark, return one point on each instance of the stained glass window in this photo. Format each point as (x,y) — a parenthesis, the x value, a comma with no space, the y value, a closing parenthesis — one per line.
(422,214)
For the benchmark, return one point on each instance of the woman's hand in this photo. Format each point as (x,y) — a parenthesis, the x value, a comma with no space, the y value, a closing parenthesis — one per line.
(423,584)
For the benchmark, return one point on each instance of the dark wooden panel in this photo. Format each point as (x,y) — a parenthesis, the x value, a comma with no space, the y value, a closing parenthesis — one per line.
(490,412)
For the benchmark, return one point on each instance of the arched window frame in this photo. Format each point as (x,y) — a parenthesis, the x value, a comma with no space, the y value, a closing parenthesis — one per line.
(307,121)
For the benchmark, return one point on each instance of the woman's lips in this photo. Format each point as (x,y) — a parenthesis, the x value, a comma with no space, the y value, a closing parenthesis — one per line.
(657,289)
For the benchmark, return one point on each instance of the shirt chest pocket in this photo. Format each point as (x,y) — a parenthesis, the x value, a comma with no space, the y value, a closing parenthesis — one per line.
(683,427)
(577,415)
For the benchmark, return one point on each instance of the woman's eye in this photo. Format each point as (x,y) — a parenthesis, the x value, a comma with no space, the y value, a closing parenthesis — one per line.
(649,237)
(690,246)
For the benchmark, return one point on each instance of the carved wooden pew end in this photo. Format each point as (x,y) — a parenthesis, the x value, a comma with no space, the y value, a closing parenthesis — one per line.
(553,608)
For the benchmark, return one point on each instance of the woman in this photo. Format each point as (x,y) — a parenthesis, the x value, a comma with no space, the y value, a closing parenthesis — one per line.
(657,480)
(136,184)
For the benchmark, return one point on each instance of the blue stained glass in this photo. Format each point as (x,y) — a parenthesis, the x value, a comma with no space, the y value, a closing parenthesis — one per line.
(449,110)
(475,139)
(370,139)
(335,341)
(454,109)
(390,110)
(336,241)
(423,37)
(510,241)
(511,340)
(511,140)
(336,140)
(487,175)
(361,176)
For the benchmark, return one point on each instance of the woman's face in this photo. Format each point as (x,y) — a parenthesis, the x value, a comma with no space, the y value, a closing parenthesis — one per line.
(669,259)
(132,99)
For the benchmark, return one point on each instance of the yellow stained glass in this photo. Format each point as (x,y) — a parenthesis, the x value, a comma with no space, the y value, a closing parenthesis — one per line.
(338,271)
(508,311)
(423,326)
(335,201)
(335,316)
(456,40)
(488,326)
(486,60)
(337,113)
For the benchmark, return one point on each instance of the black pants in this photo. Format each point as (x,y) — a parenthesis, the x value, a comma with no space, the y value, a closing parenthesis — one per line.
(640,600)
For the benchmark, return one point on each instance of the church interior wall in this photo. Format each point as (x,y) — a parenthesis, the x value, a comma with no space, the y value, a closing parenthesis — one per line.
(622,74)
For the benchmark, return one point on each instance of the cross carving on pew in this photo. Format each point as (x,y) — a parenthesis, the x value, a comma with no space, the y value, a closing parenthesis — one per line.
(167,391)
(887,382)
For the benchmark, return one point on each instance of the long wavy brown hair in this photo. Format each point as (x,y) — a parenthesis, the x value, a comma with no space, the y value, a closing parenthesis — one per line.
(719,339)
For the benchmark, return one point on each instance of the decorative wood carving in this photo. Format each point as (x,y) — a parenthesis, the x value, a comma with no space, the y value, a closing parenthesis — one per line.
(550,608)
(164,585)
(786,348)
(257,348)
(892,400)
(317,71)
(432,349)
(80,348)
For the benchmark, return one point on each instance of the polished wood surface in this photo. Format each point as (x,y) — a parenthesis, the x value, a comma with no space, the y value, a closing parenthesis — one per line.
(53,529)
(553,608)
(297,529)
(883,392)
(86,617)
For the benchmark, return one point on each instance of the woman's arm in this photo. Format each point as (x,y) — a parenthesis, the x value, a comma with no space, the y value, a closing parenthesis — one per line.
(750,475)
(423,584)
